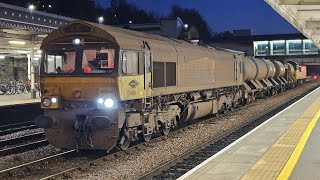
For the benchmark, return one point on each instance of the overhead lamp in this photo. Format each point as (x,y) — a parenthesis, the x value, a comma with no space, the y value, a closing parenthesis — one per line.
(77,41)
(2,56)
(39,51)
(22,52)
(36,59)
(32,7)
(101,19)
(37,55)
(17,42)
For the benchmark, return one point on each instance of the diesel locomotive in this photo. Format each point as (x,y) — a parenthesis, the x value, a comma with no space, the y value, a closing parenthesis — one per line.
(104,87)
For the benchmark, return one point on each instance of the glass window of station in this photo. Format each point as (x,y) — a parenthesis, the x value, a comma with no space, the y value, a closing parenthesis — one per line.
(285,47)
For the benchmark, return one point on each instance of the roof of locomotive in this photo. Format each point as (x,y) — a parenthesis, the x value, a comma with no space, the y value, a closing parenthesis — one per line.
(118,36)
(163,48)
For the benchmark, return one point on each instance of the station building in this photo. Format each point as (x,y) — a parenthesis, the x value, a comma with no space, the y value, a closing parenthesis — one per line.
(283,47)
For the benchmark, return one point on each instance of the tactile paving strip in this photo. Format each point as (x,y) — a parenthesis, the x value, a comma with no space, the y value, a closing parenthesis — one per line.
(275,158)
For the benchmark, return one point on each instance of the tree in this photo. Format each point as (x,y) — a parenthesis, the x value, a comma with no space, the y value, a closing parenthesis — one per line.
(193,18)
(122,12)
(226,35)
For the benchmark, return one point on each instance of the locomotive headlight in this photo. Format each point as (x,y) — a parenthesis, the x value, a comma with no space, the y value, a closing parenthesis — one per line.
(54,100)
(77,41)
(109,103)
(100,101)
(46,102)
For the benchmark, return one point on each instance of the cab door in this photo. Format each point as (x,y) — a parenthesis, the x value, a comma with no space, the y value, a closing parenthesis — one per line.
(147,70)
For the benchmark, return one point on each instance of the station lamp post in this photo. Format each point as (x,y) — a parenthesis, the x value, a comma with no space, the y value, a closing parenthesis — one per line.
(31,7)
(100,19)
(32,71)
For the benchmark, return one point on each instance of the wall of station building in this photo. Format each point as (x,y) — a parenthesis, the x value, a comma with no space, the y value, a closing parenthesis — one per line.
(14,69)
(285,47)
(302,51)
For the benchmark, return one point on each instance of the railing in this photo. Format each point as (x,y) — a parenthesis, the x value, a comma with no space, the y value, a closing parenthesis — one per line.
(17,87)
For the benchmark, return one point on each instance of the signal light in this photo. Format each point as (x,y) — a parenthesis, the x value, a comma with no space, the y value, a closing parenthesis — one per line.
(315,77)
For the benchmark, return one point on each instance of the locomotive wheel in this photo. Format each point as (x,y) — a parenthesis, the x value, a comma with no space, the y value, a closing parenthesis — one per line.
(248,101)
(165,129)
(145,137)
(124,143)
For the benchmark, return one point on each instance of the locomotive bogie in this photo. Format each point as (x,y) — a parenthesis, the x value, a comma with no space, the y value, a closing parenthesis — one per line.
(88,127)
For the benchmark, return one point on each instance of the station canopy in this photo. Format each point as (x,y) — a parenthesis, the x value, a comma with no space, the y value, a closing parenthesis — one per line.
(302,14)
(23,29)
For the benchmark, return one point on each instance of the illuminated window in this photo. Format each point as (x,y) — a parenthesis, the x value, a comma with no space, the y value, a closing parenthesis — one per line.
(278,47)
(309,47)
(130,62)
(294,47)
(261,48)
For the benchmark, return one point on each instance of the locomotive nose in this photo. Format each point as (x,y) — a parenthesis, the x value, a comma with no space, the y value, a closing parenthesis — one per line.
(100,122)
(45,122)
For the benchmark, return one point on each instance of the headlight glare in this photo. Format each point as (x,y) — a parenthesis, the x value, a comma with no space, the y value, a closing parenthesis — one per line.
(100,101)
(46,102)
(54,100)
(109,103)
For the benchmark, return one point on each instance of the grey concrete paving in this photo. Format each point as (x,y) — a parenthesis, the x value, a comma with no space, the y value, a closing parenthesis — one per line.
(236,161)
(308,165)
(16,97)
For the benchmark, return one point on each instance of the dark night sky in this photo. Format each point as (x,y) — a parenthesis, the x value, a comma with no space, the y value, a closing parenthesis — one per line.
(225,14)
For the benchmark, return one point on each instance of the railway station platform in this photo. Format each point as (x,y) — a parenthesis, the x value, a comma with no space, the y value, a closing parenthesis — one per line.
(18,99)
(286,146)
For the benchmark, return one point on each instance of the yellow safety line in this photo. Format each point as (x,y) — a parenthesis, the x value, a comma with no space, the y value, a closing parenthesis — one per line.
(291,163)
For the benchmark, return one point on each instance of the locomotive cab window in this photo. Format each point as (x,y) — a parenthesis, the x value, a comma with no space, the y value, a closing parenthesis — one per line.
(130,63)
(97,61)
(60,61)
(80,61)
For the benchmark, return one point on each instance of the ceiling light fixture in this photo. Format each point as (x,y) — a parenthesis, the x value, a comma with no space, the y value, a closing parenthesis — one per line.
(17,42)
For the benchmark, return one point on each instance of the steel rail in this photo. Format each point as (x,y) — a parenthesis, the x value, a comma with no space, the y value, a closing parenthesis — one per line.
(23,147)
(26,166)
(12,128)
(21,139)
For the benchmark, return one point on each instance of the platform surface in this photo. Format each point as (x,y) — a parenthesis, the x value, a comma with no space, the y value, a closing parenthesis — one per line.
(264,153)
(17,99)
(308,165)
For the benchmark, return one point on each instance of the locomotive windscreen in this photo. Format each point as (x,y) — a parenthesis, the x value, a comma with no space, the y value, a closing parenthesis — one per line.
(78,61)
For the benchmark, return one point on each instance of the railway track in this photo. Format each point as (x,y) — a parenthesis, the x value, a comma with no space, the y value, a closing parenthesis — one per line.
(12,128)
(18,145)
(174,168)
(11,172)
(28,166)
(187,161)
